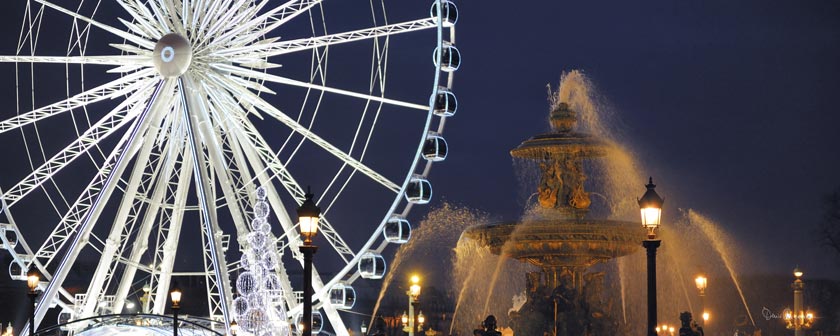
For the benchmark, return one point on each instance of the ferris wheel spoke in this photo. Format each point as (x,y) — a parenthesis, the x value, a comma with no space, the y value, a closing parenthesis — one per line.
(141,28)
(87,209)
(146,23)
(69,223)
(112,122)
(311,136)
(212,11)
(120,33)
(113,89)
(290,234)
(192,109)
(230,17)
(167,241)
(87,60)
(141,240)
(212,142)
(261,25)
(252,141)
(131,192)
(286,47)
(247,73)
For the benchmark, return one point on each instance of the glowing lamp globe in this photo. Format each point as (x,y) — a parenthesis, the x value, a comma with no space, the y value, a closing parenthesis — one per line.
(175,295)
(404,318)
(421,318)
(701,283)
(414,289)
(308,215)
(797,273)
(32,279)
(651,209)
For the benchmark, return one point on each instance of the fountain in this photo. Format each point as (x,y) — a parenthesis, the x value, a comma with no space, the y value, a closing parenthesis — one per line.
(560,238)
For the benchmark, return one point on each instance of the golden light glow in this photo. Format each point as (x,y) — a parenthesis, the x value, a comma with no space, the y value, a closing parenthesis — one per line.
(788,315)
(671,330)
(658,330)
(404,318)
(706,316)
(32,281)
(701,283)
(797,273)
(175,294)
(421,318)
(414,289)
(309,227)
(651,217)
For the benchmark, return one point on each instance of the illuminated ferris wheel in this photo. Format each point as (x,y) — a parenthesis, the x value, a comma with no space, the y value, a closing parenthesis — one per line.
(142,130)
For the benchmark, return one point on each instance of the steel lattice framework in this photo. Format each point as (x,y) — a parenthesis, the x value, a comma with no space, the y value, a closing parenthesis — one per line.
(176,139)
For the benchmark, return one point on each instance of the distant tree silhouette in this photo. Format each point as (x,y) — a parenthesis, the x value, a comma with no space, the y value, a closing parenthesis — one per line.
(829,229)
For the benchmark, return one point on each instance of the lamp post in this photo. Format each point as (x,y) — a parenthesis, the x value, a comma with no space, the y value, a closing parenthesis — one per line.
(413,295)
(702,282)
(799,319)
(651,209)
(308,216)
(32,280)
(144,300)
(175,295)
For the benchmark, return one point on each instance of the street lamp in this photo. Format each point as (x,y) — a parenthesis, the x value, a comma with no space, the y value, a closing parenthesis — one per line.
(144,300)
(175,295)
(799,319)
(413,300)
(364,328)
(308,215)
(702,282)
(234,327)
(651,209)
(32,280)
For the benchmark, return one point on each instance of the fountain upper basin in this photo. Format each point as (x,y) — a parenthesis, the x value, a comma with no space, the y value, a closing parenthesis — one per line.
(553,243)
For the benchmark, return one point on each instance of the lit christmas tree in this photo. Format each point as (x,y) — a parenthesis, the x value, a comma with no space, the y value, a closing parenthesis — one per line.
(259,307)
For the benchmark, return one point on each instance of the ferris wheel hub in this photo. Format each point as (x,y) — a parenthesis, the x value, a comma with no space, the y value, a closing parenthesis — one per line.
(172,55)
